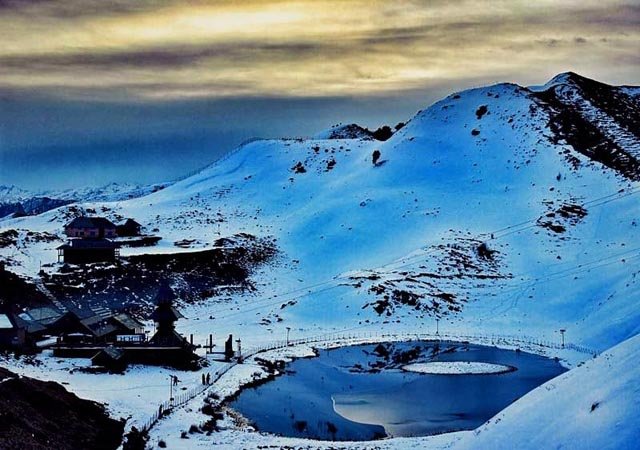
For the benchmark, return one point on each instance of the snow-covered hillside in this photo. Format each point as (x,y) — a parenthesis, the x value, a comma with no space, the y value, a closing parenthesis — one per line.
(591,407)
(500,209)
(402,236)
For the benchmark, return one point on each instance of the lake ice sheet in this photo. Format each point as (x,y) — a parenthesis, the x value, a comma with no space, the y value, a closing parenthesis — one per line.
(361,393)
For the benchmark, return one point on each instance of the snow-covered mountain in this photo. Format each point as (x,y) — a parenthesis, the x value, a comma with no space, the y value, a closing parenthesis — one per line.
(13,199)
(341,131)
(13,194)
(590,407)
(502,168)
(502,209)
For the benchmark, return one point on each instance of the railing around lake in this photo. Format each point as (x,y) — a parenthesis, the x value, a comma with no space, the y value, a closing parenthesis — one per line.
(356,338)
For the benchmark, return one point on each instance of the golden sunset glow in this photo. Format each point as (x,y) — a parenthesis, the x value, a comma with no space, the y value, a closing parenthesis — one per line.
(168,50)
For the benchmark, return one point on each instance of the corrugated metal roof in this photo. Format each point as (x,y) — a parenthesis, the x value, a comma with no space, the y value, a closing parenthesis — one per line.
(99,326)
(112,353)
(44,314)
(128,321)
(5,322)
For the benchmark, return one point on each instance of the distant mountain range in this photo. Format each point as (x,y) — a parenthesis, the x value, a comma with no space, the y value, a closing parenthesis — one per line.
(17,202)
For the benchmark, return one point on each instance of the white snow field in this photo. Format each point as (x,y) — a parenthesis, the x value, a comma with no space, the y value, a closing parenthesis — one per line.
(457,368)
(410,227)
(594,406)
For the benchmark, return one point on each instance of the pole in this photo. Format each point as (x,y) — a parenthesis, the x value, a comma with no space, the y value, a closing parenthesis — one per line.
(288,329)
(562,331)
(437,326)
(170,388)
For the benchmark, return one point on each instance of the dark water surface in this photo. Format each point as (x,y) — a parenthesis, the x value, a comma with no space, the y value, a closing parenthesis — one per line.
(360,392)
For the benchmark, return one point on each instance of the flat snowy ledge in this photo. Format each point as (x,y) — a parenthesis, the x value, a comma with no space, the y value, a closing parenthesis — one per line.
(458,368)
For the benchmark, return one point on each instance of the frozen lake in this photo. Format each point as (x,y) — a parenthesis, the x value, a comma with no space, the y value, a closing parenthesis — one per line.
(362,393)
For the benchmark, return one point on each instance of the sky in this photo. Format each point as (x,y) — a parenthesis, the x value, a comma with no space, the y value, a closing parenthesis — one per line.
(93,91)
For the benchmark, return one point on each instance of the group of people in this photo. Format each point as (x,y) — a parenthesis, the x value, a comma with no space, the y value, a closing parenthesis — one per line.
(206,379)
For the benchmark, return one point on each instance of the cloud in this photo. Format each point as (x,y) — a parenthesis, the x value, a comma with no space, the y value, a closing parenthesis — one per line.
(154,58)
(150,50)
(179,81)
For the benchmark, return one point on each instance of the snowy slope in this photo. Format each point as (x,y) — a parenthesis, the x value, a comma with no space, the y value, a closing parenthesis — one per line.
(471,164)
(394,245)
(591,407)
(438,184)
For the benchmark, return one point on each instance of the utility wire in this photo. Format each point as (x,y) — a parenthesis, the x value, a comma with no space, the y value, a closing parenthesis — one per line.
(336,281)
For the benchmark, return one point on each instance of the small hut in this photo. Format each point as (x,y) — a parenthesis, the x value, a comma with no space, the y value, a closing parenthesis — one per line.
(11,334)
(129,228)
(111,358)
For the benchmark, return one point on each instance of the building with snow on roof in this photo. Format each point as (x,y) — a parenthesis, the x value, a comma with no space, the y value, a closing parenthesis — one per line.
(12,335)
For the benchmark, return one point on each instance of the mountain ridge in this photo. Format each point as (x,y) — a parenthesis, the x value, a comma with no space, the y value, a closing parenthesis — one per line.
(15,201)
(483,214)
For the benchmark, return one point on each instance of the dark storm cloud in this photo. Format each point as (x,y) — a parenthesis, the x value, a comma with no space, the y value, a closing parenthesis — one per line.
(161,57)
(69,9)
(614,17)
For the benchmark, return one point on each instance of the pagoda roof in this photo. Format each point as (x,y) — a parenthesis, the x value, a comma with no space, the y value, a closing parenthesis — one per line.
(165,295)
(166,313)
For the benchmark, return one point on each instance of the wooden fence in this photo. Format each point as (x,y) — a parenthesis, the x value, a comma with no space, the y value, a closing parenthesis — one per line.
(166,407)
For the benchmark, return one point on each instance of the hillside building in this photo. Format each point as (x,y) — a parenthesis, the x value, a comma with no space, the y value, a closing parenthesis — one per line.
(86,251)
(129,228)
(11,334)
(115,340)
(90,227)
